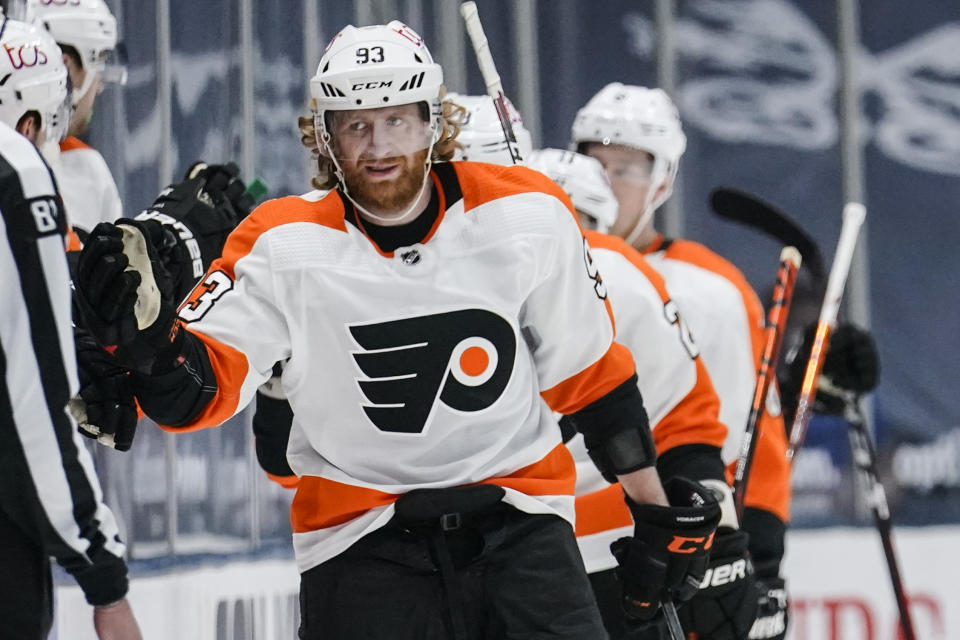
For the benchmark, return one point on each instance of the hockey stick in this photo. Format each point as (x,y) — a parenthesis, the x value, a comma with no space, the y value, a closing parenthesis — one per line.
(776,326)
(853,216)
(865,460)
(490,76)
(738,206)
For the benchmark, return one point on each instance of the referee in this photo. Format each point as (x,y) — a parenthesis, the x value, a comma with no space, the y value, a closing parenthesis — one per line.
(50,500)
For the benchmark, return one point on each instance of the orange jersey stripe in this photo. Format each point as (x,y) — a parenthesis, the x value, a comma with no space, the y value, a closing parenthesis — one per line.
(322,503)
(594,382)
(287,482)
(70,143)
(553,475)
(601,511)
(478,187)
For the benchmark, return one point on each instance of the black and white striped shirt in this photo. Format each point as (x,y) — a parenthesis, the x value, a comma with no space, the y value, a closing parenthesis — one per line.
(47,482)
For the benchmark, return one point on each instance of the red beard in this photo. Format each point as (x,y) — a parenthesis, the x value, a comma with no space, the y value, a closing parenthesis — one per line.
(387,195)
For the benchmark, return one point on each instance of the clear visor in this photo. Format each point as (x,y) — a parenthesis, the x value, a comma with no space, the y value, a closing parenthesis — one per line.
(111,64)
(376,138)
(638,173)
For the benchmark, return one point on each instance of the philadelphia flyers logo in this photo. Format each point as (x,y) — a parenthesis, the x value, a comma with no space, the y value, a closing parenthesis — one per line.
(461,358)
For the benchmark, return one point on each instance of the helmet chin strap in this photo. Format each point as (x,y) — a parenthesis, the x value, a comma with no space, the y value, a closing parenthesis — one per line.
(650,204)
(408,214)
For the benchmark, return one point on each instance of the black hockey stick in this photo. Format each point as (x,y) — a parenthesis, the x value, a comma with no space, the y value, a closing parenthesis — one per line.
(865,461)
(738,206)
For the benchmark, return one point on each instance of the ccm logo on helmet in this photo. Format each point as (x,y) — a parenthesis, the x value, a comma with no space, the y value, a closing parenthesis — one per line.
(376,84)
(461,358)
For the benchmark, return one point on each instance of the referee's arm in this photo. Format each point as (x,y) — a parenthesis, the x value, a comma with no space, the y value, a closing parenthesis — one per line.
(47,482)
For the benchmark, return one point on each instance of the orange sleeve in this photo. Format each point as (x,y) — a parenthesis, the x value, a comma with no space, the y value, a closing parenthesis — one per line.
(694,420)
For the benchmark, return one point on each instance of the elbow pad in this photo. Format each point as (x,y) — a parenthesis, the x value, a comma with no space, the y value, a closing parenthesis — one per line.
(616,431)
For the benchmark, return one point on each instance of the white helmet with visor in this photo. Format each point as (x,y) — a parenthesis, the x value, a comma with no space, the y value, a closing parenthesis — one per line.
(375,68)
(89,27)
(638,118)
(481,134)
(584,180)
(33,78)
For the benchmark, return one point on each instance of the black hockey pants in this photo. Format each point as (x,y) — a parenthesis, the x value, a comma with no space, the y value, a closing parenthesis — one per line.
(454,564)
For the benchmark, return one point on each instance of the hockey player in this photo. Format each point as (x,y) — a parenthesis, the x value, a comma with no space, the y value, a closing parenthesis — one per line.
(86,31)
(636,134)
(416,304)
(50,500)
(678,394)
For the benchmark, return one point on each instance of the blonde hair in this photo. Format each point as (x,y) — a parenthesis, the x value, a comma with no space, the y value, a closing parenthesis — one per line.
(452,118)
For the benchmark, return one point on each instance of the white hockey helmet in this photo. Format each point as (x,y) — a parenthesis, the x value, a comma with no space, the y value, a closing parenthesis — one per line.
(89,27)
(376,66)
(33,78)
(584,180)
(639,118)
(482,134)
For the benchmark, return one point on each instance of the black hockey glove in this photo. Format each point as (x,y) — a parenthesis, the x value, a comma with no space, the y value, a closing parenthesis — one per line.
(198,214)
(773,614)
(725,607)
(105,408)
(851,365)
(667,556)
(120,302)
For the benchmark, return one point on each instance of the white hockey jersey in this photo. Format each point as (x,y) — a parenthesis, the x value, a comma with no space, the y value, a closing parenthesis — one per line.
(435,365)
(677,392)
(89,192)
(727,319)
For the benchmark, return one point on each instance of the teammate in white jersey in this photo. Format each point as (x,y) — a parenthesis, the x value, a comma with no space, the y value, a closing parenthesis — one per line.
(677,391)
(86,31)
(636,134)
(416,306)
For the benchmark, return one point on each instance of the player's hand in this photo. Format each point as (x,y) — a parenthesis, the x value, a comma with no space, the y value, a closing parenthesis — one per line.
(725,607)
(106,291)
(667,555)
(116,622)
(851,366)
(773,614)
(199,213)
(119,297)
(105,408)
